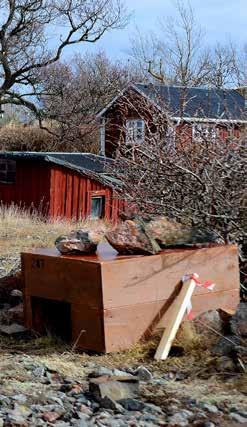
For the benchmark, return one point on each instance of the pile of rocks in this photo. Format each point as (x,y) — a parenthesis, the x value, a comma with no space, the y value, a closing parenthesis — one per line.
(12,315)
(107,397)
(136,236)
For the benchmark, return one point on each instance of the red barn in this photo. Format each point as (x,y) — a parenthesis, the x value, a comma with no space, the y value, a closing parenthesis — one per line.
(185,113)
(69,185)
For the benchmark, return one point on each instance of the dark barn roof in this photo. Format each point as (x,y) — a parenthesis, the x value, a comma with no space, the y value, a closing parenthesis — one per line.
(198,102)
(88,164)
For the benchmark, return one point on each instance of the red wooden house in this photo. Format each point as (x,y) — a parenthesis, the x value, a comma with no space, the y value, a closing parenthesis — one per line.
(188,113)
(69,185)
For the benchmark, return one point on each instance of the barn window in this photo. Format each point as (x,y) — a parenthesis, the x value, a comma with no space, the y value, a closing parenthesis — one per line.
(7,171)
(135,131)
(204,132)
(97,207)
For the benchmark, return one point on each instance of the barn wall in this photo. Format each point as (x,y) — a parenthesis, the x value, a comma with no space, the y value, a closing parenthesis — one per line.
(31,187)
(71,193)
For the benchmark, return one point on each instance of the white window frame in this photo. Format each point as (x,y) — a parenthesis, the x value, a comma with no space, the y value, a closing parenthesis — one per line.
(201,132)
(132,129)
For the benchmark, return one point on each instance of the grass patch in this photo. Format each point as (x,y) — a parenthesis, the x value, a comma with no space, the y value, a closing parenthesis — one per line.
(22,230)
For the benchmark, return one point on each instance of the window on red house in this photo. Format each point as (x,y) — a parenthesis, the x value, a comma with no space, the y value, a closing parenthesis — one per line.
(7,171)
(204,132)
(135,131)
(97,207)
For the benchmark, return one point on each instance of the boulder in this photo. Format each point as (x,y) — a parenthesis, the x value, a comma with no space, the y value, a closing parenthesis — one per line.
(14,315)
(78,242)
(170,233)
(8,283)
(13,329)
(131,238)
(114,388)
(238,321)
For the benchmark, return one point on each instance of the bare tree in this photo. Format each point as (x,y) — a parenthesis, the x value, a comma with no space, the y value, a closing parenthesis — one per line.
(181,56)
(27,28)
(200,182)
(74,92)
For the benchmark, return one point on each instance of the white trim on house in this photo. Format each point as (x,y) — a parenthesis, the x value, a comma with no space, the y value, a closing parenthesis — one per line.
(132,86)
(102,136)
(208,120)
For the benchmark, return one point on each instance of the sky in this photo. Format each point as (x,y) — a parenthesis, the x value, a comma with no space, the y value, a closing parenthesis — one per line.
(221,20)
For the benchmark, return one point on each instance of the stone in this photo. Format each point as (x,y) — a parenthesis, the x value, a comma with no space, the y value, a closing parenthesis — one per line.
(100,372)
(238,322)
(14,315)
(143,374)
(39,371)
(130,237)
(1,422)
(85,409)
(4,400)
(238,418)
(21,398)
(15,297)
(210,408)
(13,329)
(170,233)
(211,318)
(62,424)
(109,403)
(118,373)
(225,347)
(78,241)
(225,364)
(239,411)
(51,416)
(80,423)
(150,407)
(19,415)
(17,420)
(132,404)
(178,420)
(115,388)
(200,423)
(186,413)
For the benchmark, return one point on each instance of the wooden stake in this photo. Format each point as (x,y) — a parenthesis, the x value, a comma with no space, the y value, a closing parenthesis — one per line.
(180,305)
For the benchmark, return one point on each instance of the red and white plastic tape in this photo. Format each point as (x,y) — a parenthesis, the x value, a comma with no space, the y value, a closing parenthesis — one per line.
(195,278)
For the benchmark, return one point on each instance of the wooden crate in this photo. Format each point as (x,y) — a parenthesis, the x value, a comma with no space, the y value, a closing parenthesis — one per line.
(112,301)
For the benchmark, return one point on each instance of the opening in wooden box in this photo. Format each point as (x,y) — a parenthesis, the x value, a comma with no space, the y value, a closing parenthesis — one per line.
(52,317)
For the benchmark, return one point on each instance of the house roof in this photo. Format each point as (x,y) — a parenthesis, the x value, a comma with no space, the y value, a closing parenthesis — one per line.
(88,164)
(192,103)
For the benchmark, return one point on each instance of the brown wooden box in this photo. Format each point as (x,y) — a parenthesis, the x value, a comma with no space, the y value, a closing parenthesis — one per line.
(116,300)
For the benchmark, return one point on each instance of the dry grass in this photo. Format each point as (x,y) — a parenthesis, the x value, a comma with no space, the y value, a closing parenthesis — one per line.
(21,230)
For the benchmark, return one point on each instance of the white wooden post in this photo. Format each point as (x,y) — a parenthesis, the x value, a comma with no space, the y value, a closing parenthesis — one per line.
(102,136)
(180,305)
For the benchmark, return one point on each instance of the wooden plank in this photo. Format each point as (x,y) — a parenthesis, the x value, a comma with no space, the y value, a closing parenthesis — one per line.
(125,326)
(90,321)
(75,200)
(63,279)
(179,308)
(225,299)
(152,278)
(69,181)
